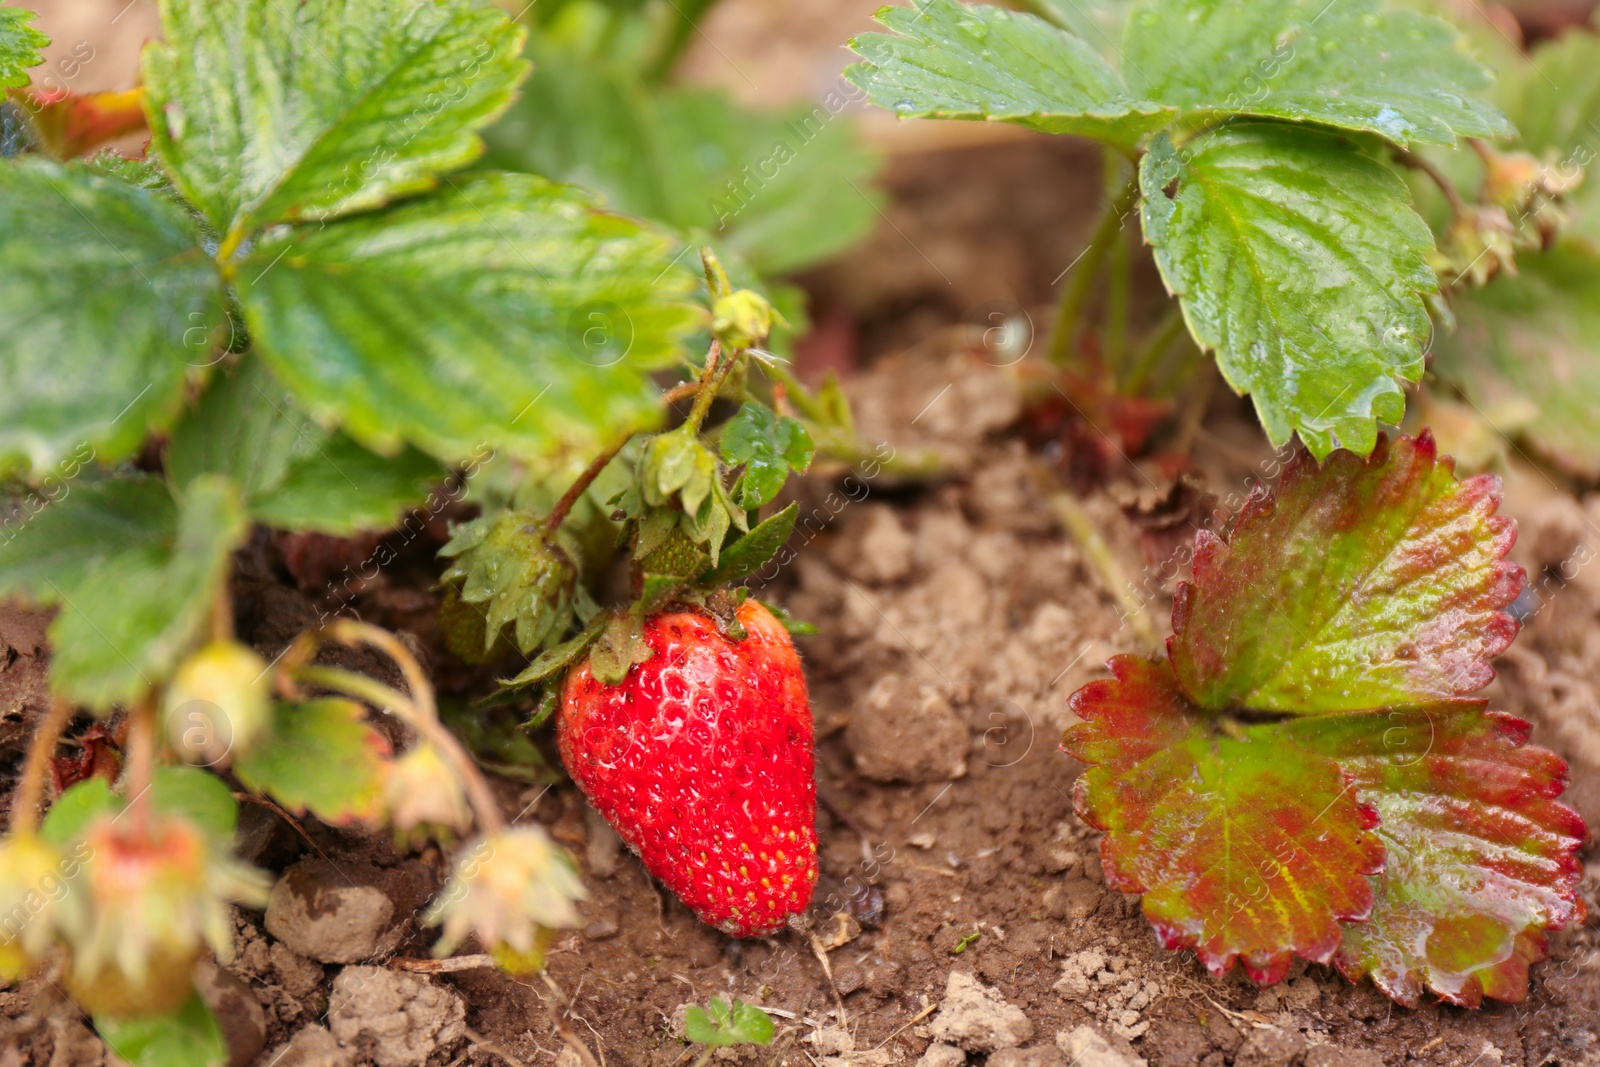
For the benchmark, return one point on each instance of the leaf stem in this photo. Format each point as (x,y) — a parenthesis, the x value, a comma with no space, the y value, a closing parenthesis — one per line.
(141,756)
(558,514)
(30,791)
(710,381)
(1407,158)
(1144,364)
(419,710)
(1085,271)
(1042,9)
(1082,529)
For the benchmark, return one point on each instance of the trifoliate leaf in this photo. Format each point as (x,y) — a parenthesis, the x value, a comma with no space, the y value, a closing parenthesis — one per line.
(188,1037)
(720,1024)
(1204,769)
(1245,846)
(518,574)
(295,474)
(504,311)
(1300,262)
(134,574)
(266,111)
(1534,338)
(110,306)
(949,60)
(781,189)
(1359,584)
(19,46)
(321,757)
(1400,74)
(769,447)
(1482,858)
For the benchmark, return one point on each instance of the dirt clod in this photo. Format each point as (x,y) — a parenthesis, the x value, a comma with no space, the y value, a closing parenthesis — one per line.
(237,1011)
(396,1019)
(1086,1048)
(903,731)
(333,913)
(1037,1056)
(939,1054)
(1270,1047)
(1333,1056)
(975,1017)
(314,1046)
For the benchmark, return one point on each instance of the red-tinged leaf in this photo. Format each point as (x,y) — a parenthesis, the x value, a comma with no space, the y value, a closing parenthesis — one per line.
(1356,584)
(1482,856)
(1245,845)
(71,124)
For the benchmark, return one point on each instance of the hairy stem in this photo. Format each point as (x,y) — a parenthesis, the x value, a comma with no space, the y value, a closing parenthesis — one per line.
(1085,270)
(558,514)
(30,791)
(1082,529)
(1144,364)
(141,764)
(1407,158)
(710,381)
(418,710)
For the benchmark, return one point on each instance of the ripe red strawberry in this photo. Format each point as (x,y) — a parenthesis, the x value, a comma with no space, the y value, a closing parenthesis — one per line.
(702,759)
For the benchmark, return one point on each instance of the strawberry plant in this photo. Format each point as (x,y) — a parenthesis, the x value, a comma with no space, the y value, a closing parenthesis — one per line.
(1264,148)
(299,313)
(1308,772)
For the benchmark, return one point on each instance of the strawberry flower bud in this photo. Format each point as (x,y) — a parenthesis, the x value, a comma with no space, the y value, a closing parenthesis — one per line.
(510,889)
(423,795)
(34,899)
(155,892)
(219,703)
(742,319)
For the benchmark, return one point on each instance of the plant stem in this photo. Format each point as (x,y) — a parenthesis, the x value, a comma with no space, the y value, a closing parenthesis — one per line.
(1120,284)
(558,514)
(30,791)
(1081,527)
(418,710)
(1085,271)
(141,756)
(710,380)
(1043,9)
(1171,325)
(1408,158)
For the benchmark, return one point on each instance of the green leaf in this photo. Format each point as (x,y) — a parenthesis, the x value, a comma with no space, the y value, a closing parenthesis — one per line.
(1400,74)
(321,757)
(505,311)
(1245,846)
(553,661)
(1534,338)
(769,447)
(948,60)
(781,189)
(110,307)
(199,796)
(134,575)
(78,805)
(1482,858)
(719,1025)
(295,474)
(1359,584)
(266,111)
(1099,23)
(189,1037)
(1300,262)
(752,551)
(19,46)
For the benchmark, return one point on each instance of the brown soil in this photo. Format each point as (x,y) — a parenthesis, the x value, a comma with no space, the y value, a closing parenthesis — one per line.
(955,620)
